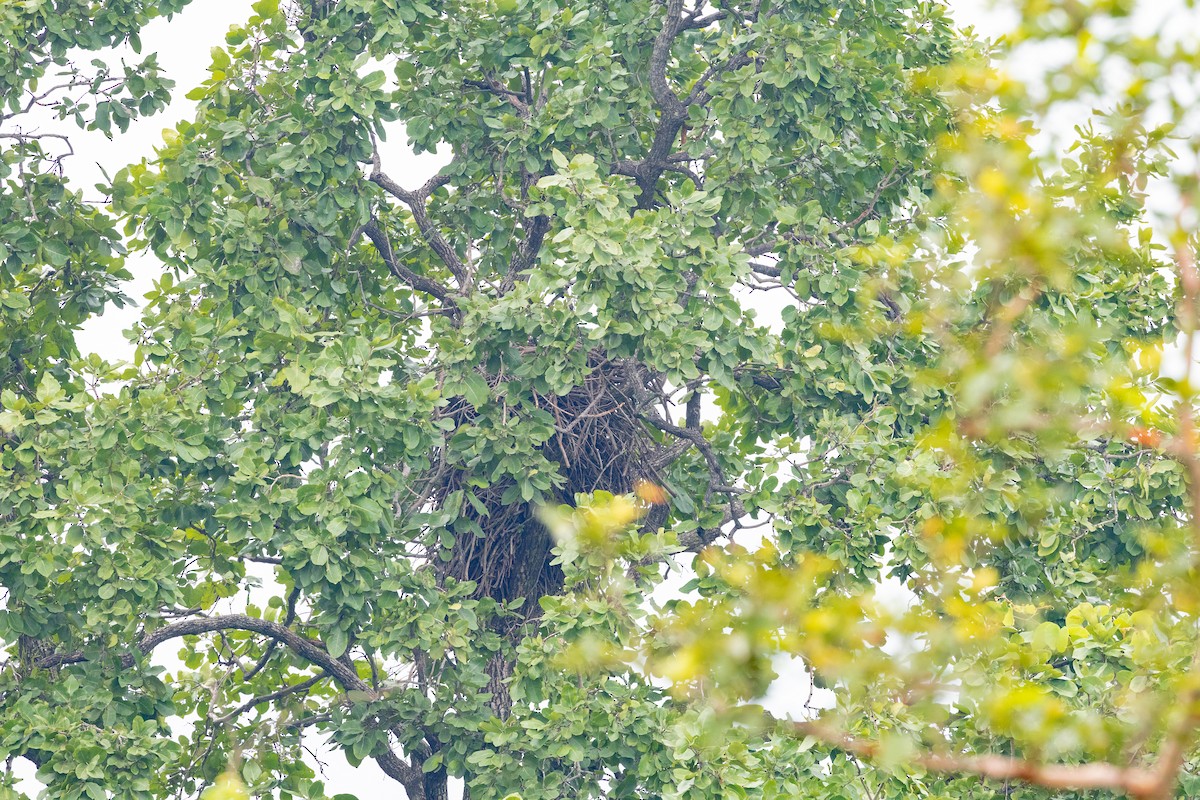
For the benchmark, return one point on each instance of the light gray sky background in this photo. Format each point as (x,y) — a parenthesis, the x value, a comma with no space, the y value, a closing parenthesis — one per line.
(183,45)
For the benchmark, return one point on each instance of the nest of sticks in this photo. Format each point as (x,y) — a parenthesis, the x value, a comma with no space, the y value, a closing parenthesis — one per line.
(601,443)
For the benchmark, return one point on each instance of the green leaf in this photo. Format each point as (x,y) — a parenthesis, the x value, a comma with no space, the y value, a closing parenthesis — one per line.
(476,390)
(337,640)
(260,186)
(265,8)
(57,252)
(49,390)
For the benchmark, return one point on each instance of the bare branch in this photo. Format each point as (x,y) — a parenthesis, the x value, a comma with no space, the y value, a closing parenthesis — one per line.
(769,270)
(34,136)
(694,22)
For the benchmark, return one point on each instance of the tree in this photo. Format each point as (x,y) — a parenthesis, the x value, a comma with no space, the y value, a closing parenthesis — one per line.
(401,465)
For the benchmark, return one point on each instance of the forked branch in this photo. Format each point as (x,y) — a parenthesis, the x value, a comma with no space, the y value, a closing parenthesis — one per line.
(417,206)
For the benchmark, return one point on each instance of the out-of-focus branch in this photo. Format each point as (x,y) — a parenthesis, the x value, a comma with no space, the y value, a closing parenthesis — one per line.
(1139,783)
(1182,730)
(1157,781)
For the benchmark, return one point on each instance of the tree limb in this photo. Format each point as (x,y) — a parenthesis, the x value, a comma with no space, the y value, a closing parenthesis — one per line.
(694,22)
(289,617)
(701,538)
(666,99)
(673,111)
(408,276)
(310,650)
(266,698)
(1137,782)
(416,205)
(640,170)
(516,99)
(527,251)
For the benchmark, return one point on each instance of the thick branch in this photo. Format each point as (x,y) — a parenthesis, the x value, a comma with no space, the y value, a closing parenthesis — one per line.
(766,270)
(527,250)
(293,598)
(410,278)
(666,99)
(762,376)
(696,438)
(673,111)
(311,650)
(644,170)
(701,538)
(516,99)
(694,22)
(699,93)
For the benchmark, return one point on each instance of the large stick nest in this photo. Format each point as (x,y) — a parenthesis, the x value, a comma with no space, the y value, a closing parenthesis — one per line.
(600,443)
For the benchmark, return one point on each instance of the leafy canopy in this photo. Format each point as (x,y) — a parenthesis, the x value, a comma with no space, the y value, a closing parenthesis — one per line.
(788,297)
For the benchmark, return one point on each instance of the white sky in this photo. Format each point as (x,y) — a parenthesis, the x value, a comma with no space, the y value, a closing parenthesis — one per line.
(183,47)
